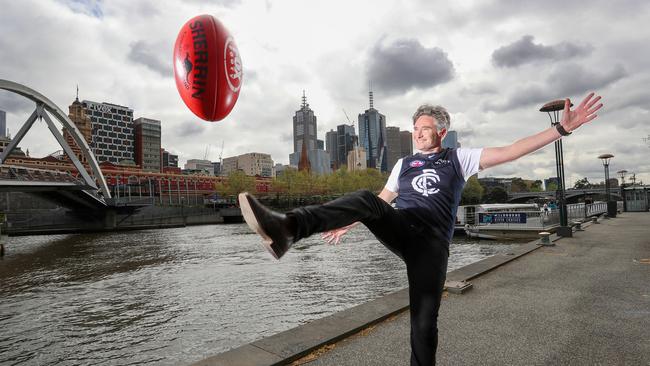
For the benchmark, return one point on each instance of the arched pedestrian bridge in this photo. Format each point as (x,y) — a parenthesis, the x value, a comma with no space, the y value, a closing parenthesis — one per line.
(88,190)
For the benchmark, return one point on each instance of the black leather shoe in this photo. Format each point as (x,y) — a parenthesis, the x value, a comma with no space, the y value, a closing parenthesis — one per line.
(272,226)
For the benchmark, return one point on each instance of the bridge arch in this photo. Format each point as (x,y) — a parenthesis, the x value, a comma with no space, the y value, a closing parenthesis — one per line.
(43,107)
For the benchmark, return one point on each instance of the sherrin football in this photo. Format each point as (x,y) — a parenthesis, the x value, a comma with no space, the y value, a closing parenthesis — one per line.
(207,68)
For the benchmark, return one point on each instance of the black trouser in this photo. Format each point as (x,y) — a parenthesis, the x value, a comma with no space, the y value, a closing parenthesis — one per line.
(425,256)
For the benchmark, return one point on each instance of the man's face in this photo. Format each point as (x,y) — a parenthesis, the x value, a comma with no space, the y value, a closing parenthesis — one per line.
(425,134)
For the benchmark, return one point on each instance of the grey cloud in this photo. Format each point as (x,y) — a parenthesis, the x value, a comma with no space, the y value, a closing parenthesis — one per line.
(564,81)
(533,94)
(13,103)
(143,53)
(405,64)
(190,128)
(88,7)
(525,51)
(574,79)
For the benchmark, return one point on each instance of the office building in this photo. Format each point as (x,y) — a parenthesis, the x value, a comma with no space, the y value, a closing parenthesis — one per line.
(304,127)
(393,146)
(406,143)
(3,123)
(346,140)
(372,137)
(253,164)
(112,132)
(356,159)
(451,140)
(319,161)
(168,159)
(147,144)
(331,146)
(200,165)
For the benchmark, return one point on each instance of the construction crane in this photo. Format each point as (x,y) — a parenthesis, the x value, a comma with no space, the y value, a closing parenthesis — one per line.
(346,115)
(207,150)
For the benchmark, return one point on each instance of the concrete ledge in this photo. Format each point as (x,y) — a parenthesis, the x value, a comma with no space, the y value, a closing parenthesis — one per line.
(292,344)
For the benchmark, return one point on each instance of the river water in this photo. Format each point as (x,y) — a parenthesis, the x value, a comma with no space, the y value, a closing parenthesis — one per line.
(176,296)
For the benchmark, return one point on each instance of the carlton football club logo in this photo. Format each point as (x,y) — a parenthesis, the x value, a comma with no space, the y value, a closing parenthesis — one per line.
(416,163)
(423,182)
(232,63)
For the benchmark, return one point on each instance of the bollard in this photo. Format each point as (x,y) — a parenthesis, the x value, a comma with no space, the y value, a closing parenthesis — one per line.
(578,225)
(2,250)
(595,220)
(544,238)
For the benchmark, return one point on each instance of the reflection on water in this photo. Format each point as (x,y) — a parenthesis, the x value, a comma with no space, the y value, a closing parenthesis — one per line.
(176,296)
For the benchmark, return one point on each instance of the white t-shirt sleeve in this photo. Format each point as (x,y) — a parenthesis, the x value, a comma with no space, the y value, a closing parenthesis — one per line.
(469,161)
(393,180)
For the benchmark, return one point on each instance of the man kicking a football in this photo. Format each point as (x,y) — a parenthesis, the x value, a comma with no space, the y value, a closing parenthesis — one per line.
(427,188)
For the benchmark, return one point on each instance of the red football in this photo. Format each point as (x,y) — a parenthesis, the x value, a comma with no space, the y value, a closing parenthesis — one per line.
(207,68)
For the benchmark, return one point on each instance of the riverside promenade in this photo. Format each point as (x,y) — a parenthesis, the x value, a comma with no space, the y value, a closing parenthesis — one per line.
(583,301)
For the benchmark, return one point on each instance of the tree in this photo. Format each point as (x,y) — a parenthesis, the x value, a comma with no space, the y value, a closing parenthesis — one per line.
(582,184)
(536,186)
(472,193)
(496,195)
(237,182)
(551,186)
(518,185)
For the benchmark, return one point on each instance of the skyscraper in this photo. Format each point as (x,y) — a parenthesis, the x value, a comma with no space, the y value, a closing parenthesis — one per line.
(393,146)
(3,124)
(451,140)
(331,146)
(346,140)
(304,127)
(406,143)
(372,136)
(112,132)
(304,132)
(147,144)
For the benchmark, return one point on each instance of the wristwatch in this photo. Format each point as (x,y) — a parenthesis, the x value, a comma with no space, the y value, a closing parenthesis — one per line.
(561,130)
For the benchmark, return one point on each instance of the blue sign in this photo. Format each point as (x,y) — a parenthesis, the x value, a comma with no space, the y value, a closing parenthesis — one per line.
(502,218)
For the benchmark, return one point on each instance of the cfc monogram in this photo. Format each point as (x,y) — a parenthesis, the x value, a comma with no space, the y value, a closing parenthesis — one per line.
(423,182)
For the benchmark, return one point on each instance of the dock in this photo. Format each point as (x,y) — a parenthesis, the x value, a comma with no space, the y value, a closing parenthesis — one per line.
(583,301)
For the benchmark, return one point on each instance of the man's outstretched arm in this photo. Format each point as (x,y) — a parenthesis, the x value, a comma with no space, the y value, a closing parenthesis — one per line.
(571,120)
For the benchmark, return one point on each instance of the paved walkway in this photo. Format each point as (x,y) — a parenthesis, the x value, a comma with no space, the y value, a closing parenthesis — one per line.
(585,301)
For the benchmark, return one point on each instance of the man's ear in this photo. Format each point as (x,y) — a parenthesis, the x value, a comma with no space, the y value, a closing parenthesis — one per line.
(442,134)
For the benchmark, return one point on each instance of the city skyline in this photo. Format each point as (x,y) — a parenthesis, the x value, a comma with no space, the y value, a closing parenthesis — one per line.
(491,72)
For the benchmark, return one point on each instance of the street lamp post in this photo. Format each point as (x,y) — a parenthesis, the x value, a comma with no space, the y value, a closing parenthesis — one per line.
(553,109)
(622,174)
(611,205)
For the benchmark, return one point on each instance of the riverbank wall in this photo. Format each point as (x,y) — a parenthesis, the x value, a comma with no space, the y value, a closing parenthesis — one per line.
(26,214)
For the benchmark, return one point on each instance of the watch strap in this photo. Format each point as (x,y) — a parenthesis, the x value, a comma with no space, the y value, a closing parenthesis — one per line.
(561,130)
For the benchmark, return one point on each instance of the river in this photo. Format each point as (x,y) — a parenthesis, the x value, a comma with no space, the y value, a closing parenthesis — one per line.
(176,296)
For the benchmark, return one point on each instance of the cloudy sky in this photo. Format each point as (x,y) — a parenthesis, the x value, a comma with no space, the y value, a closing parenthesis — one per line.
(491,63)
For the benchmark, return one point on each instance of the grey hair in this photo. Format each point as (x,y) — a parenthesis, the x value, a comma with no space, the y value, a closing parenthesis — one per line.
(438,112)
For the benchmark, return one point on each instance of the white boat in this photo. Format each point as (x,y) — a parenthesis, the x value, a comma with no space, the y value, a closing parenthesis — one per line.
(504,221)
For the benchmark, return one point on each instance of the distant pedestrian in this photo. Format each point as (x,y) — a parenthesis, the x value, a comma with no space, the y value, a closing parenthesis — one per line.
(427,188)
(545,209)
